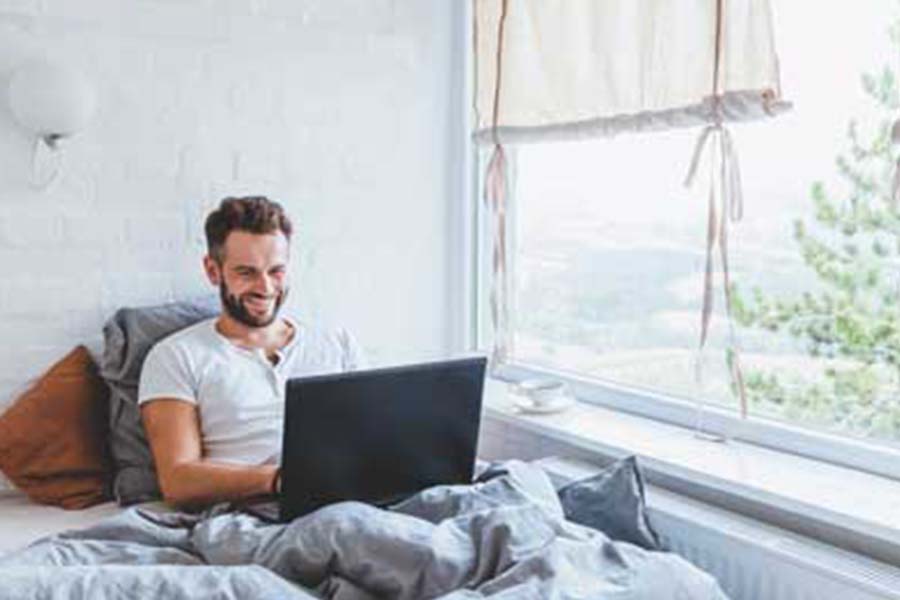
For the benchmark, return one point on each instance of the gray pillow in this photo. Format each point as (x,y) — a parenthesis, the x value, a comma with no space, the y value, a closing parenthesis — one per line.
(128,337)
(612,501)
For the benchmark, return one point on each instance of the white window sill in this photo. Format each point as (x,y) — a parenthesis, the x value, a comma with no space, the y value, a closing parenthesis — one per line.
(838,505)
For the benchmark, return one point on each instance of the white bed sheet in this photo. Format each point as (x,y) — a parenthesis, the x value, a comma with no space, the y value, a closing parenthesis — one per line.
(23,521)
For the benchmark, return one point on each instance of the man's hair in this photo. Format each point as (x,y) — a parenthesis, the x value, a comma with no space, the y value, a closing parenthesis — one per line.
(253,214)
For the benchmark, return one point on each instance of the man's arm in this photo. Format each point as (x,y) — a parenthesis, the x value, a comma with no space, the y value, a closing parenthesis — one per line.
(186,479)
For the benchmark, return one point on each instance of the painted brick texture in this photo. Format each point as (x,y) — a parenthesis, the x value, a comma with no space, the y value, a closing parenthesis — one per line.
(339,109)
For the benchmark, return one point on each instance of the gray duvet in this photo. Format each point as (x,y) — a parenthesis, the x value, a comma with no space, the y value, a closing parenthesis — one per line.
(505,538)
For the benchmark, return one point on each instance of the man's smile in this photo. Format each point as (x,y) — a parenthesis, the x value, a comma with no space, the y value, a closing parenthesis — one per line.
(260,302)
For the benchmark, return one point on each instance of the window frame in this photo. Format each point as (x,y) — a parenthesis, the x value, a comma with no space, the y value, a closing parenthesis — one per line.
(777,435)
(470,319)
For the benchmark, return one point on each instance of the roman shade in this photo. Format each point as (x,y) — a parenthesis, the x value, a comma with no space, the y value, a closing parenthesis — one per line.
(564,69)
(570,69)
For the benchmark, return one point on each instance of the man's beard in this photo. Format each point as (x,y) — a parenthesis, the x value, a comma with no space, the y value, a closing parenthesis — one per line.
(236,309)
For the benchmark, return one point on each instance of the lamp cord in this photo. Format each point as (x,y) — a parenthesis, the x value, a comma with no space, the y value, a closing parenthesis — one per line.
(52,148)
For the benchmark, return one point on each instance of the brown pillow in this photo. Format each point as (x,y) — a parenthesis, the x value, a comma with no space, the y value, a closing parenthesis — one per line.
(53,439)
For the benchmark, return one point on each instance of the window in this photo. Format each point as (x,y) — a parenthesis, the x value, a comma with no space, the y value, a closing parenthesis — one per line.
(607,247)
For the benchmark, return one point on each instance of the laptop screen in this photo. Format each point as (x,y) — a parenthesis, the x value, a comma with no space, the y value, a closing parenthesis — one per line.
(378,436)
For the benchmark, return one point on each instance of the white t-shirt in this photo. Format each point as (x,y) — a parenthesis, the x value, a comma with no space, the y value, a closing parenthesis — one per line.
(239,394)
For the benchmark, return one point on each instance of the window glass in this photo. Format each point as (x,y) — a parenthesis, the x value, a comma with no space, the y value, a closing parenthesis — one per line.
(609,247)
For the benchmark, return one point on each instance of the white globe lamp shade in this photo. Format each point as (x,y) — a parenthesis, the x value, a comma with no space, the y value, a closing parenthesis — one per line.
(51,100)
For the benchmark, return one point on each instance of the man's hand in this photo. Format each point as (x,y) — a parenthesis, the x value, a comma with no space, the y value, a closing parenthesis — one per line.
(186,479)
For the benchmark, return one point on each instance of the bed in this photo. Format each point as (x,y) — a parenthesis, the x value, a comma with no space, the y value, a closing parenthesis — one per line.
(504,537)
(23,521)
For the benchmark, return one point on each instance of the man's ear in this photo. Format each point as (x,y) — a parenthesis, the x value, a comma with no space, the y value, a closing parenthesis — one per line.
(213,270)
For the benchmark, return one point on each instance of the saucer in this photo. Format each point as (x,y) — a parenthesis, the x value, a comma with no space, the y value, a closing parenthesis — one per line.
(556,405)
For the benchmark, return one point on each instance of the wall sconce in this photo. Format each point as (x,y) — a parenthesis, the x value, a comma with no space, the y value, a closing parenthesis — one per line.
(53,102)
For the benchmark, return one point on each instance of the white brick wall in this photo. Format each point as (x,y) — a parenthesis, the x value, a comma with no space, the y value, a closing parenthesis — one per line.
(338,108)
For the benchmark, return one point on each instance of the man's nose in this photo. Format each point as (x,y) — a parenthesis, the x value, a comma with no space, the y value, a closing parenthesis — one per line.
(265,285)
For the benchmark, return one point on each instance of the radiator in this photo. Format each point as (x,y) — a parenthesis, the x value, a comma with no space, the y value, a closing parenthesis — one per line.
(752,560)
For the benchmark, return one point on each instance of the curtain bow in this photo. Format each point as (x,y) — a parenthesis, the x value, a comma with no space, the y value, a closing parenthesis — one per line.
(725,186)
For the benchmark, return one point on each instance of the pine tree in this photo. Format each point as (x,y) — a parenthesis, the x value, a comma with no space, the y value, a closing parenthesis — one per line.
(853,247)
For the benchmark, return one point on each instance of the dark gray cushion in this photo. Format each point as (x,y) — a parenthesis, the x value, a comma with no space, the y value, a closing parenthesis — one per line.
(612,501)
(128,336)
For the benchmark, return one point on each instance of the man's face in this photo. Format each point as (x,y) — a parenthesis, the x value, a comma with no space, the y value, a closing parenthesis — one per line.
(252,276)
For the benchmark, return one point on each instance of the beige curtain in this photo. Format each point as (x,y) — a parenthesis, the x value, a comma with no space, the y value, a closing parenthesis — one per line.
(568,69)
(587,68)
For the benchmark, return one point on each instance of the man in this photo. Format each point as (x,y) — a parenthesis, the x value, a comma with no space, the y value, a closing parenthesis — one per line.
(212,395)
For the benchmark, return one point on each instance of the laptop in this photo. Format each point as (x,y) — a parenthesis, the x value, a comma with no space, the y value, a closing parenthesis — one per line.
(379,436)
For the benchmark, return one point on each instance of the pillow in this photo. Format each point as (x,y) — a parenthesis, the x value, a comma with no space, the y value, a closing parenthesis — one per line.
(128,336)
(612,501)
(53,437)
